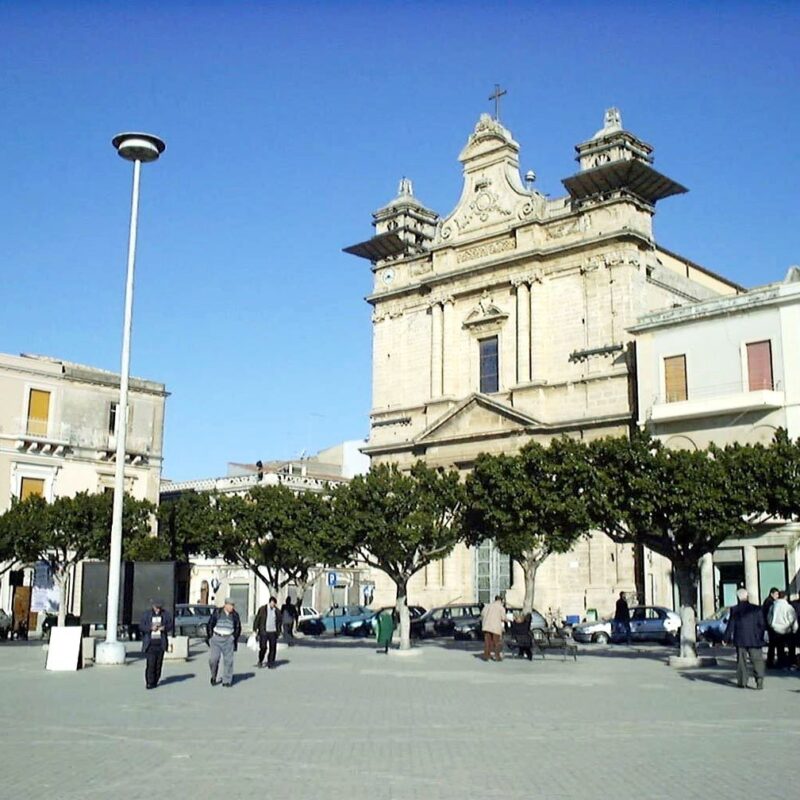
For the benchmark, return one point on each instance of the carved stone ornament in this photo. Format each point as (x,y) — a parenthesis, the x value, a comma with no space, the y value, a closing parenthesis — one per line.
(485,313)
(488,249)
(580,225)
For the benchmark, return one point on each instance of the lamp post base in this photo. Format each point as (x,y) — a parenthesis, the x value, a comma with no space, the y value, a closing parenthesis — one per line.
(109,653)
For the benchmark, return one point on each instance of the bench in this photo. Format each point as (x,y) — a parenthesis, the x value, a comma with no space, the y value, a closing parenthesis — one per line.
(553,640)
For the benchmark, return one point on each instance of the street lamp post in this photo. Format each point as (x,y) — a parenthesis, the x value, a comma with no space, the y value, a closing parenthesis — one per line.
(139,148)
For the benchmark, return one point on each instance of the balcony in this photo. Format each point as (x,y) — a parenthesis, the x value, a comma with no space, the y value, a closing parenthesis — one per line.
(710,401)
(48,437)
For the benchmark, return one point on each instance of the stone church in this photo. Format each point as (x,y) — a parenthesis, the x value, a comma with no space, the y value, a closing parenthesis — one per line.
(507,320)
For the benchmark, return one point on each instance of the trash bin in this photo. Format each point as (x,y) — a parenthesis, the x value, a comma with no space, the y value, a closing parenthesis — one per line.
(591,615)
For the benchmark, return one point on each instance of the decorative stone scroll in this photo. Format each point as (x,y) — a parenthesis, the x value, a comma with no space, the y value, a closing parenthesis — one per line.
(580,225)
(483,250)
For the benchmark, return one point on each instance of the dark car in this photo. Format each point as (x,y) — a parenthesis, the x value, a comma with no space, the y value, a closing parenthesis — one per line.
(442,621)
(313,626)
(367,627)
(470,629)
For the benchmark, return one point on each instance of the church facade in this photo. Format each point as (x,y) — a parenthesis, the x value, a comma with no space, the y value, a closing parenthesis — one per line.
(506,321)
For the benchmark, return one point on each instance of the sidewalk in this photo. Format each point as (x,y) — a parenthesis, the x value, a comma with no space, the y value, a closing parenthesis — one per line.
(337,720)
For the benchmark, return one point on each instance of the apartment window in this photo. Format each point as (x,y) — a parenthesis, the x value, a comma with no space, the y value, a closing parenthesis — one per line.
(759,365)
(31,487)
(675,379)
(112,418)
(489,375)
(38,412)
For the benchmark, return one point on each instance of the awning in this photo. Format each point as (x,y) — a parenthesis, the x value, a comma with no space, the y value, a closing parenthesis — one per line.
(635,176)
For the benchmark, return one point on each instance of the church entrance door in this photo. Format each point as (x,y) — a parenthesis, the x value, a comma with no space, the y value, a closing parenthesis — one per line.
(492,571)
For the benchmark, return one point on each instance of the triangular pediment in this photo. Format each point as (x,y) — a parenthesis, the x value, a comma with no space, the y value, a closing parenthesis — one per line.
(477,416)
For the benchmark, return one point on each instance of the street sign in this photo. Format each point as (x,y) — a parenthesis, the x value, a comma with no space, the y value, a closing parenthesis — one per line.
(331,579)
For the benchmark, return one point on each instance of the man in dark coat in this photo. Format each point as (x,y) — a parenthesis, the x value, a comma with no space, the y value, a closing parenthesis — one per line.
(267,626)
(222,637)
(155,625)
(746,630)
(288,620)
(622,618)
(766,607)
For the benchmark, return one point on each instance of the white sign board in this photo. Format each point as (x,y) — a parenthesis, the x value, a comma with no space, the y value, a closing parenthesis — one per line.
(64,650)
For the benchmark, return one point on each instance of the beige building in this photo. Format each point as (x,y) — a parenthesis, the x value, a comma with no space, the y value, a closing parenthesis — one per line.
(57,438)
(506,321)
(721,371)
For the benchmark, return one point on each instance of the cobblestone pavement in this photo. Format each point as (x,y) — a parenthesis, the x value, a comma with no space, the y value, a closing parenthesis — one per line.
(337,720)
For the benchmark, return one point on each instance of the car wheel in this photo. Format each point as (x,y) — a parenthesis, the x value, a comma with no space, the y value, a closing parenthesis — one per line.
(600,638)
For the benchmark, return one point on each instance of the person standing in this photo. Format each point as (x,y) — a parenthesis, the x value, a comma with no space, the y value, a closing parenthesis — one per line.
(521,631)
(794,641)
(766,608)
(266,626)
(223,632)
(493,620)
(622,618)
(782,622)
(154,626)
(288,619)
(745,630)
(385,629)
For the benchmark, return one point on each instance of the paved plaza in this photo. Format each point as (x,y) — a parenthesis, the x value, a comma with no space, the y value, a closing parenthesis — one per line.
(338,721)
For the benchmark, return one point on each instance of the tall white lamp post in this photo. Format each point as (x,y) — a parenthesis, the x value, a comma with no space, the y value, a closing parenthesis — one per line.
(139,148)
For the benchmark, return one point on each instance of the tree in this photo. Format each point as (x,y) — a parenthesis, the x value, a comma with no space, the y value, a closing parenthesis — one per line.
(280,536)
(70,529)
(681,504)
(188,526)
(399,522)
(530,504)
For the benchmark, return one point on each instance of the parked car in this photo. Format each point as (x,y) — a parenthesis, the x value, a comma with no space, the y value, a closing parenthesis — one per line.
(5,624)
(307,612)
(367,627)
(311,626)
(713,630)
(442,621)
(648,623)
(191,619)
(337,616)
(470,629)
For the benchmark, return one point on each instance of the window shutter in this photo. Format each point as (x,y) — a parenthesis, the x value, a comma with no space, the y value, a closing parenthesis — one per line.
(31,487)
(675,378)
(759,365)
(38,412)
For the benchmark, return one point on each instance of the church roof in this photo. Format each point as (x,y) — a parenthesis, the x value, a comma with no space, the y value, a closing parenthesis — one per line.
(634,175)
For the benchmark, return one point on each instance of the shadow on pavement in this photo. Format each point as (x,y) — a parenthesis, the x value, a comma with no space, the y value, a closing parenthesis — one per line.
(176,678)
(238,677)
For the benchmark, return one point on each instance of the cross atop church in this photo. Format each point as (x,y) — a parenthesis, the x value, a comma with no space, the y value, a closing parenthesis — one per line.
(496,95)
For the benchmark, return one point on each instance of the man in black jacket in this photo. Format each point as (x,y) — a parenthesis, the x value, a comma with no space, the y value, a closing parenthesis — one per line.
(267,626)
(622,618)
(766,607)
(154,626)
(746,630)
(223,632)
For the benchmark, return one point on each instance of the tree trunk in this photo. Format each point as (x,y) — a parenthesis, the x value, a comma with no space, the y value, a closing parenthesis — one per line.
(686,577)
(60,577)
(402,610)
(530,567)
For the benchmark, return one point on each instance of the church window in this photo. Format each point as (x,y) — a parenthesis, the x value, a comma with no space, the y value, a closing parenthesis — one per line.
(489,372)
(759,366)
(675,379)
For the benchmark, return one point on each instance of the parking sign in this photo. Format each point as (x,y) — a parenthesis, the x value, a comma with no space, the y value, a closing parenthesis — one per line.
(331,579)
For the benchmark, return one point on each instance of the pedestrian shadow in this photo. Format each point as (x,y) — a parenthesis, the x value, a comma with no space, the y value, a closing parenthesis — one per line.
(709,677)
(242,676)
(176,678)
(280,662)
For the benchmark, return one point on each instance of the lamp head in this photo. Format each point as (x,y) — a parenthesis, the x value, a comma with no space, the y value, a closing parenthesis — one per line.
(138,146)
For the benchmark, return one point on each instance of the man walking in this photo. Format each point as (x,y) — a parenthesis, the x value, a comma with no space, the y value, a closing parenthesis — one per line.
(782,626)
(493,620)
(746,631)
(622,618)
(154,626)
(223,632)
(288,619)
(266,626)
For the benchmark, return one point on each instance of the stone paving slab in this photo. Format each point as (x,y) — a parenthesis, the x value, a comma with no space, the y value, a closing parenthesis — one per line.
(339,721)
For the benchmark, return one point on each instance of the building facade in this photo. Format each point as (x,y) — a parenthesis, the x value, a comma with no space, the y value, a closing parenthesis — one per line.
(722,371)
(506,321)
(58,423)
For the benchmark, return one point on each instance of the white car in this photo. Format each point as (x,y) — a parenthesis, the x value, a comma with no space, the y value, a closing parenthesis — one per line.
(648,623)
(308,612)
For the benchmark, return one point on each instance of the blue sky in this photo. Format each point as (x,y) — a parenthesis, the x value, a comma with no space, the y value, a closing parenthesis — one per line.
(287,124)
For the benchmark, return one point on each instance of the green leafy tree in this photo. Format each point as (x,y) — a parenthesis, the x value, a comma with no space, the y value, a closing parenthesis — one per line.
(188,526)
(399,522)
(531,504)
(70,529)
(681,504)
(280,536)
